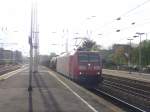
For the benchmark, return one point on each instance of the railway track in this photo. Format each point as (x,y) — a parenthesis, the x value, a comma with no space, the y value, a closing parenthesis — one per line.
(132,83)
(124,104)
(138,92)
(9,68)
(127,93)
(134,94)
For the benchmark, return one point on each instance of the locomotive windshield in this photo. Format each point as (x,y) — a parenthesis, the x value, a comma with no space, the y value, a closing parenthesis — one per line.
(93,58)
(88,58)
(83,58)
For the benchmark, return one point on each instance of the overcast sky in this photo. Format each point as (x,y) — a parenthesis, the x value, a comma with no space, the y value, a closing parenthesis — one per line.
(61,19)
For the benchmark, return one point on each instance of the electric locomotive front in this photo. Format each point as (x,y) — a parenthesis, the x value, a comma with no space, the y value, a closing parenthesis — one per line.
(86,67)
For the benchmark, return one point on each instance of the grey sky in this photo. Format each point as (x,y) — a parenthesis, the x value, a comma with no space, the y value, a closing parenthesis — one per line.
(71,16)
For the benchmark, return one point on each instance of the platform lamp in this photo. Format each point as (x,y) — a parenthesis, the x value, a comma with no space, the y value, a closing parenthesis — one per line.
(139,35)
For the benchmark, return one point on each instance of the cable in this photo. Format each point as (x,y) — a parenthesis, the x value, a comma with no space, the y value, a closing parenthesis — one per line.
(124,14)
(138,6)
(126,28)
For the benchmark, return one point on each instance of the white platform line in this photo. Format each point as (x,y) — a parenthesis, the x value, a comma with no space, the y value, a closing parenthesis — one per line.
(85,102)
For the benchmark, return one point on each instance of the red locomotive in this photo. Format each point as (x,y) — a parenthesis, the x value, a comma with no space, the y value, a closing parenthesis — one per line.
(81,66)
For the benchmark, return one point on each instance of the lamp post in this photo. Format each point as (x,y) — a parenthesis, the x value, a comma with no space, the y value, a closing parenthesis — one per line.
(129,58)
(140,55)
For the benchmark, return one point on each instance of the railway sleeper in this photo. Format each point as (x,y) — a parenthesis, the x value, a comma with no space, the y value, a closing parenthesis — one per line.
(127,87)
(126,90)
(126,80)
(130,98)
(136,84)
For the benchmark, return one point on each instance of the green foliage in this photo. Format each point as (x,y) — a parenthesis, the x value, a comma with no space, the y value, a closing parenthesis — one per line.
(135,56)
(145,54)
(119,56)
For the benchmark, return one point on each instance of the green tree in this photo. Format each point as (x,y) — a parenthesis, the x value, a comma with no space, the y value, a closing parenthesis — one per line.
(145,50)
(119,54)
(89,45)
(145,53)
(135,56)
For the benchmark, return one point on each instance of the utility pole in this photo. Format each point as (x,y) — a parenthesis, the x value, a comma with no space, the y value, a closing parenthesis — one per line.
(140,54)
(65,34)
(66,49)
(34,43)
(129,58)
(31,52)
(36,39)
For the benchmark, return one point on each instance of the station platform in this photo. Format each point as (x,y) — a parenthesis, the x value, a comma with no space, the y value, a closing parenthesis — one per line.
(125,74)
(51,93)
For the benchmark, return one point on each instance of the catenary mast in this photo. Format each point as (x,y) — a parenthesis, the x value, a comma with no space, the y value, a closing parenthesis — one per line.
(33,42)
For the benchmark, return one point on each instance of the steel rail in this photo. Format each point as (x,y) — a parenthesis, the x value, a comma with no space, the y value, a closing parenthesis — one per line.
(143,94)
(128,91)
(118,99)
(127,81)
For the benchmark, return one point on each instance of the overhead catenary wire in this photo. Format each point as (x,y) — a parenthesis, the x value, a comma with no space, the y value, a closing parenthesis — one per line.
(142,24)
(109,24)
(119,18)
(125,14)
(131,10)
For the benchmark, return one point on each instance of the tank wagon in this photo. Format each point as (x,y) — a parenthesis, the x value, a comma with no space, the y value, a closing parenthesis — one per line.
(53,63)
(81,66)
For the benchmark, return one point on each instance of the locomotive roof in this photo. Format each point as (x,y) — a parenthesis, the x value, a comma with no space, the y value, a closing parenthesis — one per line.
(74,52)
(88,51)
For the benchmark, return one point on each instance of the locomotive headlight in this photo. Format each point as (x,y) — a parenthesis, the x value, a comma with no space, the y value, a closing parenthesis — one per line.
(98,73)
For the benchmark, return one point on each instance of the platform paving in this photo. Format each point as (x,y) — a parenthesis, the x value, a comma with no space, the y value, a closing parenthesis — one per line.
(51,93)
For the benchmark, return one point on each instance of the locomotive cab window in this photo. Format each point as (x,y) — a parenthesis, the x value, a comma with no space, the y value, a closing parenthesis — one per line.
(88,58)
(93,58)
(83,58)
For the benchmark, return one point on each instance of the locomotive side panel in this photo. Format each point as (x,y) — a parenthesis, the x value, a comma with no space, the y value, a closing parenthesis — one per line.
(62,65)
(84,67)
(73,65)
(53,62)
